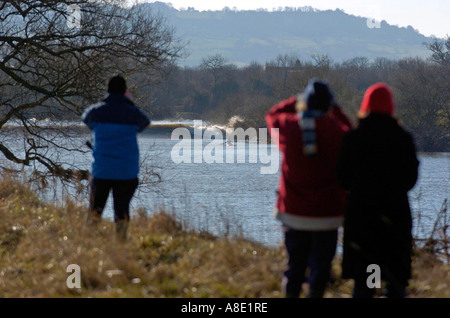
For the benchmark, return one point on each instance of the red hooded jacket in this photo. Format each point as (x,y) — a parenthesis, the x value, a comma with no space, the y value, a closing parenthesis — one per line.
(309,197)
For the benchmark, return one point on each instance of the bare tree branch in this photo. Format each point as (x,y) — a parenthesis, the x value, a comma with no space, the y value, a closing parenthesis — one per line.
(48,69)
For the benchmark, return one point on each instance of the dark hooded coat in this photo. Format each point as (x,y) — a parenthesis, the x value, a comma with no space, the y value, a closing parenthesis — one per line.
(378,166)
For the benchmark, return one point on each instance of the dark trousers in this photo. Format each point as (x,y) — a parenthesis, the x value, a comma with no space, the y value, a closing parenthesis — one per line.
(122,190)
(313,249)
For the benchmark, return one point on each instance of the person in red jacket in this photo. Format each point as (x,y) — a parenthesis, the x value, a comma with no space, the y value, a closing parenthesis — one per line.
(310,204)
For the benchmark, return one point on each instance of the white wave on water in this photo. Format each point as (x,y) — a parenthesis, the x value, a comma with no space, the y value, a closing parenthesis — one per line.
(234,122)
(195,123)
(173,122)
(61,123)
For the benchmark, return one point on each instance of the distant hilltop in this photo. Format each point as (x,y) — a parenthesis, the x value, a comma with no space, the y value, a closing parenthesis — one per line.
(243,37)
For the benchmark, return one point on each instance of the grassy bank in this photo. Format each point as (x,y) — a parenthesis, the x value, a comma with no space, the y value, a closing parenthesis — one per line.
(161,258)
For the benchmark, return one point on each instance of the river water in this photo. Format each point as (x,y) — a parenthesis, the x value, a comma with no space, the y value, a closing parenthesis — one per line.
(229,198)
(216,197)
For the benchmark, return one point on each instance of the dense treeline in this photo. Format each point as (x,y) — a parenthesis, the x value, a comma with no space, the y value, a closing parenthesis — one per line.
(215,91)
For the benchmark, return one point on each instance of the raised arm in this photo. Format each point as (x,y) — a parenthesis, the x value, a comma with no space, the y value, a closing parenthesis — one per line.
(343,120)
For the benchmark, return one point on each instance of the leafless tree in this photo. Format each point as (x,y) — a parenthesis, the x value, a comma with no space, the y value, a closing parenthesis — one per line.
(214,64)
(440,51)
(52,65)
(423,96)
(321,60)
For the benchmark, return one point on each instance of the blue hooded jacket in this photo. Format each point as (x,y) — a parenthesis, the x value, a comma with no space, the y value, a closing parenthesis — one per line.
(115,123)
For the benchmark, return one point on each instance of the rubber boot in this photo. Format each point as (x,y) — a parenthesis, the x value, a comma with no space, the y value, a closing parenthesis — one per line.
(121,230)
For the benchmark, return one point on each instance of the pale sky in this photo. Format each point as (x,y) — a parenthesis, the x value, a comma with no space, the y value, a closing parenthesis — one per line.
(430,17)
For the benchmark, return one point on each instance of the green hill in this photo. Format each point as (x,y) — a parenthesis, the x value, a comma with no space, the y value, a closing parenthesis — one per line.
(246,36)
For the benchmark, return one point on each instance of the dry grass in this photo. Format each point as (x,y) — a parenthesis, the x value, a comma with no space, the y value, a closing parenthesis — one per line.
(161,258)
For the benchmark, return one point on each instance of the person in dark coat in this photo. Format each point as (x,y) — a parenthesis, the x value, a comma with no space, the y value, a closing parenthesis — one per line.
(310,203)
(115,121)
(378,164)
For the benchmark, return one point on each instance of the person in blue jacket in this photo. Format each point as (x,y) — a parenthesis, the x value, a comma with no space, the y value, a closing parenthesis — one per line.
(115,122)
